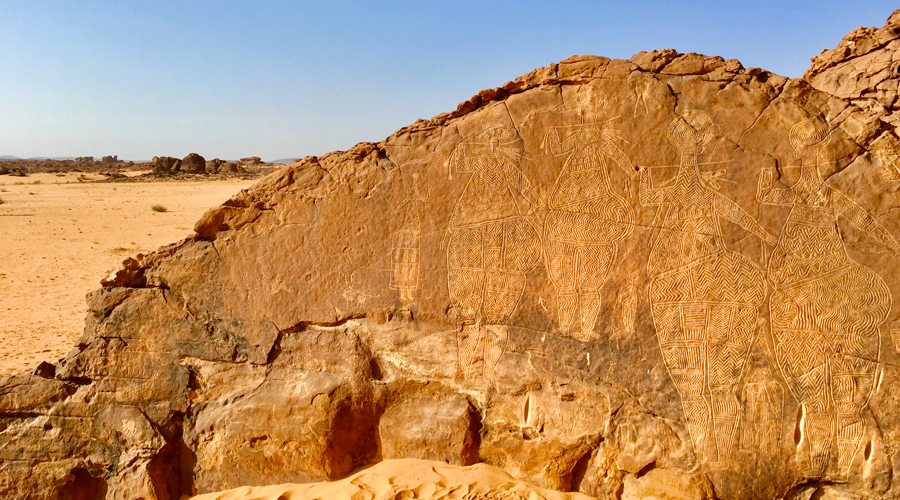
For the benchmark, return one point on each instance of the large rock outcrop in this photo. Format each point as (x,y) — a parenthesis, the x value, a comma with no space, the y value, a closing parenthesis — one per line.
(864,66)
(614,277)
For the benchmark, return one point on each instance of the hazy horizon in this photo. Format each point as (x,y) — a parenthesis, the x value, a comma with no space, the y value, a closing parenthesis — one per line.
(288,79)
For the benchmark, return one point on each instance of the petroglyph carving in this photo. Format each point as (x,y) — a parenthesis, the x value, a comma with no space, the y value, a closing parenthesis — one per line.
(405,245)
(587,218)
(642,89)
(889,157)
(763,416)
(703,297)
(826,308)
(895,336)
(493,243)
(628,303)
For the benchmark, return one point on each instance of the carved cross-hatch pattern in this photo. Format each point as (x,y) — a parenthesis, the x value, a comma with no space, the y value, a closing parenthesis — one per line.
(492,245)
(825,309)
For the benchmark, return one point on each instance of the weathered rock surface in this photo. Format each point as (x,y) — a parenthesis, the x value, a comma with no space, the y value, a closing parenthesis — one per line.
(864,66)
(670,276)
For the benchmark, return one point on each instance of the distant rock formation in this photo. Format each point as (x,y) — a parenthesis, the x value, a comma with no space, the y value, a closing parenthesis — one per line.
(218,166)
(253,160)
(81,164)
(863,67)
(212,166)
(671,276)
(165,165)
(193,164)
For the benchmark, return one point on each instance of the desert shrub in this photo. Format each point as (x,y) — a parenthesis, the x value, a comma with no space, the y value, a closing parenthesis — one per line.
(159,208)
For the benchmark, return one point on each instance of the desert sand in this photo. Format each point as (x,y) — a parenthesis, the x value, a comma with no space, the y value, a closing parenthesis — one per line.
(405,478)
(61,236)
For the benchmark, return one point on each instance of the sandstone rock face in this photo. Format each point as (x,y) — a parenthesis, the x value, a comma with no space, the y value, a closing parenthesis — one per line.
(440,427)
(865,65)
(670,276)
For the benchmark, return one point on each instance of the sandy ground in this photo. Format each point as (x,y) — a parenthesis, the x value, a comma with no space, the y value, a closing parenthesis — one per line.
(406,478)
(59,236)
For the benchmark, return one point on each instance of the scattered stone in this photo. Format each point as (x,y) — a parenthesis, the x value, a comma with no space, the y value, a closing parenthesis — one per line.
(45,370)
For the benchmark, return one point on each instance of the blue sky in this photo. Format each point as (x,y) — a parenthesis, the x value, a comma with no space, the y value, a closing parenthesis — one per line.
(281,79)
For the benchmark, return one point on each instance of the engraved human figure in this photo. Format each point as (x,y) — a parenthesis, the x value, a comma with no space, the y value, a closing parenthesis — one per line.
(587,218)
(762,417)
(492,245)
(704,298)
(826,308)
(628,304)
(405,245)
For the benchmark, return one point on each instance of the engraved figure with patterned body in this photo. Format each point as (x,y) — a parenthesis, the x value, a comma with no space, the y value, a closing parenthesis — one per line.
(405,245)
(493,243)
(586,219)
(704,298)
(826,308)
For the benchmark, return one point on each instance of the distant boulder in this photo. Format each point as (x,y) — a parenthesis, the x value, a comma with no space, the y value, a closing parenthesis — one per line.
(165,165)
(84,162)
(110,159)
(253,160)
(230,168)
(194,164)
(212,166)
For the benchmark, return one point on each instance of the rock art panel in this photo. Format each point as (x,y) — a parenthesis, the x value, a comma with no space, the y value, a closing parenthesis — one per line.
(826,308)
(763,416)
(405,250)
(492,244)
(586,218)
(668,276)
(704,297)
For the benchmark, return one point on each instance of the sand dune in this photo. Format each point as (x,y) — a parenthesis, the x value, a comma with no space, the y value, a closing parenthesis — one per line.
(405,479)
(59,237)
